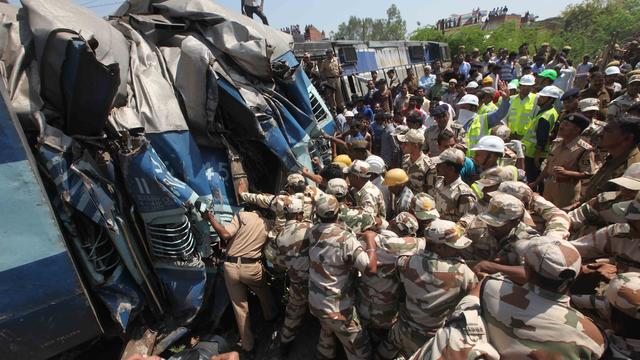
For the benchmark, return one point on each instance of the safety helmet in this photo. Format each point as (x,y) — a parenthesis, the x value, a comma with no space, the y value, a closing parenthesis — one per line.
(343,159)
(376,164)
(469,99)
(527,80)
(551,91)
(490,143)
(395,177)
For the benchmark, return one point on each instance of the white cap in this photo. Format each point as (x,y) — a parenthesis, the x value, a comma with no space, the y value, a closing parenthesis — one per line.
(612,70)
(349,114)
(551,91)
(630,179)
(469,99)
(512,86)
(472,85)
(490,143)
(589,104)
(528,80)
(376,164)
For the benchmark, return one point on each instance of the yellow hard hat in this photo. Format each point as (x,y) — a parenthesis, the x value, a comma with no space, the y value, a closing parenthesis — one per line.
(342,159)
(487,80)
(395,177)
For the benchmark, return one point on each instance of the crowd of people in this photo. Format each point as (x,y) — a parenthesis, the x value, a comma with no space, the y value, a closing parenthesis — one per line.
(483,210)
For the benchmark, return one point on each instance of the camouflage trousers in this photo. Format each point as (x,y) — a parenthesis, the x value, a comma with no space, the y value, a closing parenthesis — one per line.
(374,315)
(297,305)
(349,332)
(402,338)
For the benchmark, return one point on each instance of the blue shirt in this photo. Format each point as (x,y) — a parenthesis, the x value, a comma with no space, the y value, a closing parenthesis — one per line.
(468,170)
(367,112)
(465,67)
(427,81)
(537,69)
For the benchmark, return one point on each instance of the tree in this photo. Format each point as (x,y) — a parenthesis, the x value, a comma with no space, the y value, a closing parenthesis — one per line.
(365,29)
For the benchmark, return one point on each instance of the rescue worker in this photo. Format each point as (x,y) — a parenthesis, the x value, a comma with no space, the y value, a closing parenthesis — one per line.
(421,172)
(531,320)
(423,207)
(397,182)
(541,214)
(622,103)
(570,161)
(244,239)
(442,122)
(597,212)
(379,294)
(454,198)
(365,194)
(522,107)
(485,99)
(536,138)
(355,218)
(290,251)
(477,125)
(434,280)
(620,138)
(330,71)
(488,152)
(619,242)
(377,169)
(334,253)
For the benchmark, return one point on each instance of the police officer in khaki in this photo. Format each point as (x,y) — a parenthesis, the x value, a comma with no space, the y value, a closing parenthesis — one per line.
(244,239)
(330,72)
(570,161)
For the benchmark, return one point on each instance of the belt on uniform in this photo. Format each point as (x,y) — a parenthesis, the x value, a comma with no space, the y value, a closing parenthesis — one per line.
(242,260)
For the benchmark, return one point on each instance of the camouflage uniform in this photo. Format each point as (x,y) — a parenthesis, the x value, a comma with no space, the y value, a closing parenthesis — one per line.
(616,241)
(610,169)
(595,213)
(422,173)
(370,198)
(453,200)
(431,137)
(379,294)
(433,287)
(530,322)
(356,219)
(291,250)
(333,256)
(620,105)
(463,337)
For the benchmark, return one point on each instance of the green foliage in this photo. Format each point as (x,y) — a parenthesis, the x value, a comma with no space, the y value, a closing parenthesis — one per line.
(588,27)
(365,29)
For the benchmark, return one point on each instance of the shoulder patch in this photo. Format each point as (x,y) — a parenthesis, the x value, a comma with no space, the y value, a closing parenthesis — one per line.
(607,196)
(584,144)
(620,230)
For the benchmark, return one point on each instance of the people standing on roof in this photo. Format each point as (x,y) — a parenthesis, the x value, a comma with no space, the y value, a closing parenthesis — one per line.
(251,7)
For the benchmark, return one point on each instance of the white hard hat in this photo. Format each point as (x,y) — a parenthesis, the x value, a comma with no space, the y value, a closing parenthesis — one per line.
(472,85)
(469,99)
(376,164)
(551,91)
(349,114)
(612,70)
(527,80)
(490,143)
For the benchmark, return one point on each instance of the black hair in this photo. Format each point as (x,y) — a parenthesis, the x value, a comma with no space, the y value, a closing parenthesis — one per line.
(567,277)
(329,220)
(414,117)
(456,167)
(381,82)
(298,187)
(445,135)
(332,171)
(628,126)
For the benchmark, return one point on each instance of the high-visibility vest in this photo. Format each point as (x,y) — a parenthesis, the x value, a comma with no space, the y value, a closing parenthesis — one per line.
(530,141)
(479,128)
(487,108)
(521,113)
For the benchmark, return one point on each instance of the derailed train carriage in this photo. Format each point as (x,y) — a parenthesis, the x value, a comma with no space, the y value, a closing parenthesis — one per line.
(110,132)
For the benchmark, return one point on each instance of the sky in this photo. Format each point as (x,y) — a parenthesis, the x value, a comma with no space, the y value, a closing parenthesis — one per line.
(327,14)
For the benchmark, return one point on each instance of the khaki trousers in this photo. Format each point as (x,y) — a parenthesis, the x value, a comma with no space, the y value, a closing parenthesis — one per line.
(239,278)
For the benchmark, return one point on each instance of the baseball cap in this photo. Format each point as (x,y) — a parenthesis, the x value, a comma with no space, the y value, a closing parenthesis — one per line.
(497,175)
(612,70)
(451,155)
(376,164)
(293,205)
(359,168)
(528,80)
(337,187)
(448,233)
(518,189)
(570,94)
(502,209)
(413,136)
(469,99)
(406,222)
(294,179)
(630,179)
(424,207)
(623,294)
(589,104)
(552,258)
(549,74)
(472,85)
(327,206)
(487,91)
(349,114)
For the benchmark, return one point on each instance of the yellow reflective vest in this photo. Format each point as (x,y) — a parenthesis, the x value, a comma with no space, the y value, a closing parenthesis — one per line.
(479,128)
(487,108)
(530,141)
(521,113)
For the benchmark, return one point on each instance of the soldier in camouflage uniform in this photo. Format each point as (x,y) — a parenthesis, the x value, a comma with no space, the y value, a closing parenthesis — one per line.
(356,219)
(434,280)
(422,173)
(620,242)
(365,194)
(423,207)
(539,213)
(334,254)
(495,243)
(536,320)
(378,295)
(454,198)
(597,212)
(290,250)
